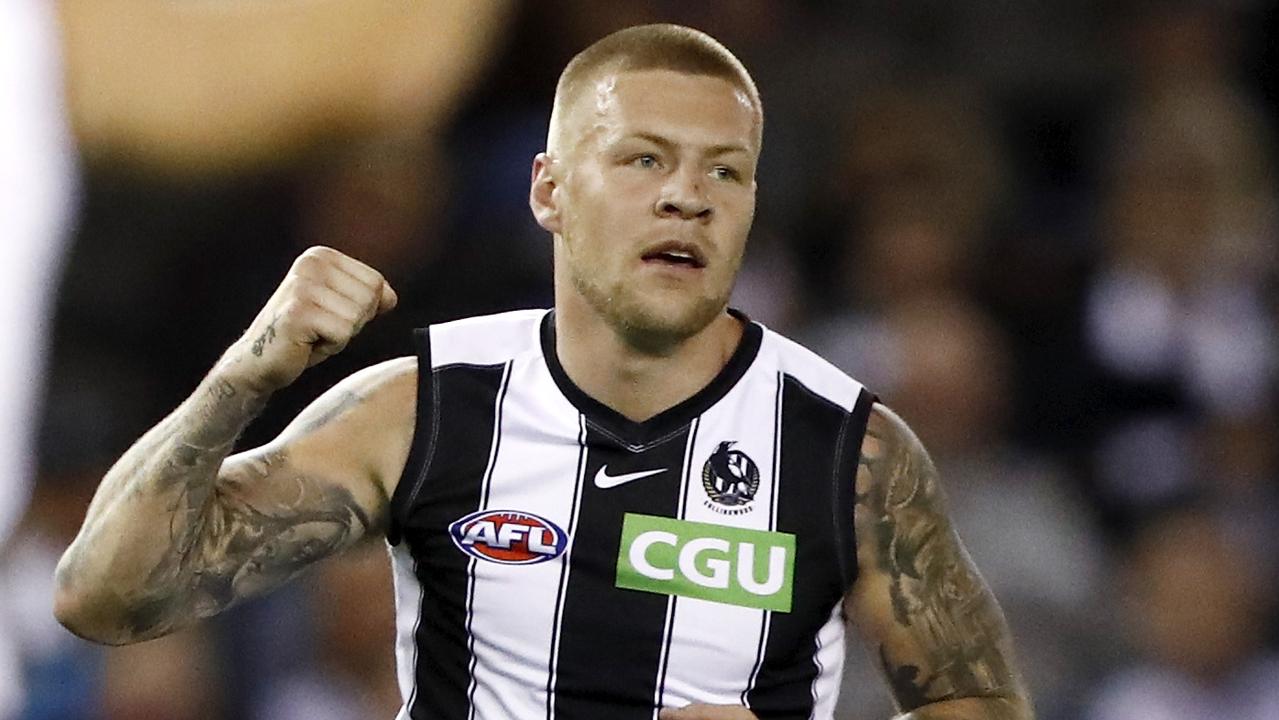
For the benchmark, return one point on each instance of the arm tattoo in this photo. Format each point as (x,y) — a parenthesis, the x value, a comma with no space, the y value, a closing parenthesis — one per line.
(951,631)
(174,535)
(246,542)
(333,411)
(264,339)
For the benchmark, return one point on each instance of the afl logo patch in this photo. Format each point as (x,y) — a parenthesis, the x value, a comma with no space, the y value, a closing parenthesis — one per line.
(509,537)
(731,480)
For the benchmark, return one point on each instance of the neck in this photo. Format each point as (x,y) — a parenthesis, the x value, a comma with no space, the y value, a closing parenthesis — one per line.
(639,383)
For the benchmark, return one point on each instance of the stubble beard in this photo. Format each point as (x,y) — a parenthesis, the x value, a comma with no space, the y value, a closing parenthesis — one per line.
(646,323)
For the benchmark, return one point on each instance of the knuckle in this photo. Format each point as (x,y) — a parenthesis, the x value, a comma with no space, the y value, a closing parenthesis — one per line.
(319,251)
(301,294)
(316,257)
(304,266)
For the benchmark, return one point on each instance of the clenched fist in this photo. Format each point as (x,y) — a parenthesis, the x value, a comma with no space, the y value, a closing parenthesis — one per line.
(323,302)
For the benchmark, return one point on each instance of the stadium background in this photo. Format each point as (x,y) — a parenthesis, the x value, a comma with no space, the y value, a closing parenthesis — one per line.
(1044,232)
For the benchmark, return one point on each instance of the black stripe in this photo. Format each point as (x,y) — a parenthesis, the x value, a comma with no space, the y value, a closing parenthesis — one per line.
(810,444)
(559,595)
(843,484)
(485,488)
(600,621)
(448,486)
(664,657)
(414,466)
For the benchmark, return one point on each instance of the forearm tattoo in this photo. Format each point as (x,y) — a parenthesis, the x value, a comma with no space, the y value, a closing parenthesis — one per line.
(958,642)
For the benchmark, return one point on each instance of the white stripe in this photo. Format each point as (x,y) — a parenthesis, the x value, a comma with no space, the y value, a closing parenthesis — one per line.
(829,657)
(816,374)
(777,452)
(513,607)
(486,340)
(565,567)
(408,614)
(483,504)
(659,688)
(712,655)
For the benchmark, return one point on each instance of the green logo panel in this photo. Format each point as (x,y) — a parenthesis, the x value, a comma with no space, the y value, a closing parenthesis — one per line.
(750,568)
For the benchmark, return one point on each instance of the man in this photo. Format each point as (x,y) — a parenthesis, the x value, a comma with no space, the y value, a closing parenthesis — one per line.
(564,540)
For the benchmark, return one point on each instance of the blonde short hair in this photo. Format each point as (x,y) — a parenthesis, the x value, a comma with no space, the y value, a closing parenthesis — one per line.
(654,47)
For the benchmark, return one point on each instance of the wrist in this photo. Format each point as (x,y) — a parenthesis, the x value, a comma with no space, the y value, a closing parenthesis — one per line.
(235,375)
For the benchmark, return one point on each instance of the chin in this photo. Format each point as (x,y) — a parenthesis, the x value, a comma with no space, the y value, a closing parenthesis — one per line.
(662,322)
(654,319)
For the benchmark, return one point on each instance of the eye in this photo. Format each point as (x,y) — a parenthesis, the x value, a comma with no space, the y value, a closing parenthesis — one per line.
(644,161)
(724,172)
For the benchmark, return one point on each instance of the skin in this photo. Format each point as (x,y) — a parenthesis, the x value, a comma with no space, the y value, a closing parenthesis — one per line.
(179,531)
(919,604)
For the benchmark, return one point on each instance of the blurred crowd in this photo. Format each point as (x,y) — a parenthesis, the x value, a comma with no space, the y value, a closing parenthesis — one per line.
(1045,233)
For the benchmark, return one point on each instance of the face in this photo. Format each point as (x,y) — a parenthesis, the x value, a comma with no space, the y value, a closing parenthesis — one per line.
(650,192)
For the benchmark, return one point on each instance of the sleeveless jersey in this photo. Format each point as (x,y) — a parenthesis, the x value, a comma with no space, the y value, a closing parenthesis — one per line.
(554,560)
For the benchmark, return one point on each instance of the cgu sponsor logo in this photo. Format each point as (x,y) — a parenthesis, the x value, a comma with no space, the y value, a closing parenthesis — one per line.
(509,537)
(736,566)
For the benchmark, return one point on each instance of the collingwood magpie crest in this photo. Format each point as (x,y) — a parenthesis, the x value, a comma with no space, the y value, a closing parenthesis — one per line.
(731,480)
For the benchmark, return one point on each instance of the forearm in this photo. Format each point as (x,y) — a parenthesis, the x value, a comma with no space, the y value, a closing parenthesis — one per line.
(179,531)
(132,566)
(1014,708)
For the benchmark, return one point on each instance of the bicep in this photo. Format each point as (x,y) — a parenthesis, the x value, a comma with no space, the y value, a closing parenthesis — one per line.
(313,492)
(919,603)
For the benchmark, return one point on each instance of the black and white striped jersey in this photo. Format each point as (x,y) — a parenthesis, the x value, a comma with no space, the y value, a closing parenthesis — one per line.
(555,560)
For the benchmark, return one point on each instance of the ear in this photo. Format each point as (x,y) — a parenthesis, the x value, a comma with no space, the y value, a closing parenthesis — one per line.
(541,195)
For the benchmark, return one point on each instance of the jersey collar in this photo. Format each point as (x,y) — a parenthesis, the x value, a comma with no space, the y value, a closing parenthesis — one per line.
(637,435)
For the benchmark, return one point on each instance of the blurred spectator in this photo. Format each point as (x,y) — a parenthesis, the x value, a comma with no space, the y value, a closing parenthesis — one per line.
(189,89)
(1178,320)
(1196,609)
(37,186)
(1237,462)
(351,675)
(917,181)
(172,678)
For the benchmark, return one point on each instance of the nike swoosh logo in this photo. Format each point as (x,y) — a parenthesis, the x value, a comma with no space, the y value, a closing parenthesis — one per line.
(605,481)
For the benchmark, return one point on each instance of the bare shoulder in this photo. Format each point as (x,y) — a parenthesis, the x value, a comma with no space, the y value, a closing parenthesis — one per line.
(363,424)
(919,602)
(888,436)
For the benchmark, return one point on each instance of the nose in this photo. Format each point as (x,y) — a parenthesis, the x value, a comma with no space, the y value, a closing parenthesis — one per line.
(683,197)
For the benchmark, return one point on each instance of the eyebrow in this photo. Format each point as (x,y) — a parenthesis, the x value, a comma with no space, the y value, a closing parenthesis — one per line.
(713,150)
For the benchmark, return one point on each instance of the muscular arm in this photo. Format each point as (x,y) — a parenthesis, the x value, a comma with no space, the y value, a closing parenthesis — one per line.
(919,602)
(176,533)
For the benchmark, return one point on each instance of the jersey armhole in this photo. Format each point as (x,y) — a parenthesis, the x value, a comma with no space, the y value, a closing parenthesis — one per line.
(847,455)
(406,490)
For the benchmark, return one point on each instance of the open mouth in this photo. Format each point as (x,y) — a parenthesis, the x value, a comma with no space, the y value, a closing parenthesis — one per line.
(676,254)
